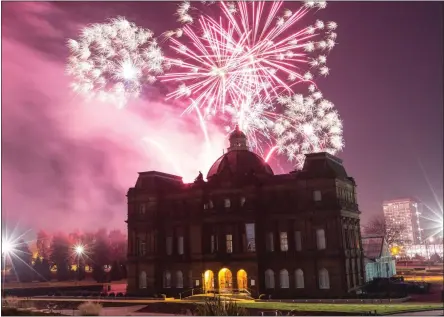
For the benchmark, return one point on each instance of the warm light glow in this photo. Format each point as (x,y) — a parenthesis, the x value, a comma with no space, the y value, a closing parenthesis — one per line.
(395,250)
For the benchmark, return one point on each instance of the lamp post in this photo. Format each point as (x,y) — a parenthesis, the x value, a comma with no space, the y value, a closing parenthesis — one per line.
(79,249)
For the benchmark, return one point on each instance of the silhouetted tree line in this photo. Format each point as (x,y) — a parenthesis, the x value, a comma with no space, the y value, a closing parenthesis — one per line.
(104,252)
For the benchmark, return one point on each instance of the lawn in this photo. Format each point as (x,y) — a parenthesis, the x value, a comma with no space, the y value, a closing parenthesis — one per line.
(381,309)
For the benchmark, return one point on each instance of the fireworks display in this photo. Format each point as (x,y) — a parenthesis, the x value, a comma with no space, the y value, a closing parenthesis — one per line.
(112,61)
(244,65)
(309,124)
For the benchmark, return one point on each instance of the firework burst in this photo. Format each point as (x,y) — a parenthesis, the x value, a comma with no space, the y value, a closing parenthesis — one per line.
(112,61)
(309,124)
(252,49)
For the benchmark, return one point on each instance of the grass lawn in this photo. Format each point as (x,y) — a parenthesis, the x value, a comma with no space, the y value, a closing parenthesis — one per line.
(346,308)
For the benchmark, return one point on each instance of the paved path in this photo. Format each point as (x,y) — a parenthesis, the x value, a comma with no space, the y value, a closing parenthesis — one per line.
(115,311)
(423,313)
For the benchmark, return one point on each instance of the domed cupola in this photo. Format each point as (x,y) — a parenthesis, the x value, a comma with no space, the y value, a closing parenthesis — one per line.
(239,161)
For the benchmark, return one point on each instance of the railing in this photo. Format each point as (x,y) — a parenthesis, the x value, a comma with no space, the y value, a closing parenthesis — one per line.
(191,292)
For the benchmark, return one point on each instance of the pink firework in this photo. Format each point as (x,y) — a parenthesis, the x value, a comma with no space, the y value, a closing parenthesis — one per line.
(254,49)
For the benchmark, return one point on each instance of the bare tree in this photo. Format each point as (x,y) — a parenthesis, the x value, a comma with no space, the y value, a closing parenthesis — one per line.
(392,233)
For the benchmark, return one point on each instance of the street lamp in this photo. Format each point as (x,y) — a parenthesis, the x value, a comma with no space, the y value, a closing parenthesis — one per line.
(79,250)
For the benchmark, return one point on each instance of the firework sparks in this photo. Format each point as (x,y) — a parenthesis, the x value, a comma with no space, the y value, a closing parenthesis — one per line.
(112,61)
(247,53)
(309,124)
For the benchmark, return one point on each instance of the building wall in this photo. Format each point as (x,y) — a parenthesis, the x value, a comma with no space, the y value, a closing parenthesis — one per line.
(384,267)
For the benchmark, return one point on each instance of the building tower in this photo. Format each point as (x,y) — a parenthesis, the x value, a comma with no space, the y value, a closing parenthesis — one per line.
(404,214)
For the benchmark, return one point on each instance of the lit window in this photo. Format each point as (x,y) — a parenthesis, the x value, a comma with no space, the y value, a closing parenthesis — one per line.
(269,279)
(229,240)
(320,239)
(283,241)
(269,243)
(166,279)
(242,201)
(317,196)
(299,278)
(298,240)
(324,280)
(227,203)
(180,245)
(179,279)
(169,245)
(284,279)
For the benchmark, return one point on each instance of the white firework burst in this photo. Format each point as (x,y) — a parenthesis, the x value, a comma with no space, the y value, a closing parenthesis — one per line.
(112,61)
(309,124)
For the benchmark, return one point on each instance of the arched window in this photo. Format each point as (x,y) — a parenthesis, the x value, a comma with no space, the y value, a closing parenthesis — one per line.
(324,280)
(179,279)
(299,278)
(242,201)
(142,280)
(227,203)
(269,279)
(320,239)
(166,279)
(284,279)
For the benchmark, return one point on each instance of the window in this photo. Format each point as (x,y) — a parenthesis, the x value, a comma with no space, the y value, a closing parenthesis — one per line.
(205,206)
(210,204)
(166,279)
(179,279)
(229,239)
(227,203)
(142,247)
(142,209)
(269,279)
(298,240)
(324,280)
(213,243)
(283,241)
(142,280)
(169,245)
(180,245)
(317,195)
(320,239)
(299,278)
(242,201)
(269,243)
(284,279)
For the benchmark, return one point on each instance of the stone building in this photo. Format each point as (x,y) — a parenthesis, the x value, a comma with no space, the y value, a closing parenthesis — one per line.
(245,229)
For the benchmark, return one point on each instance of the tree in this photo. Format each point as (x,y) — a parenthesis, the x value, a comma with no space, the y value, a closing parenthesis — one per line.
(392,234)
(117,245)
(98,273)
(21,260)
(60,255)
(116,271)
(43,244)
(46,270)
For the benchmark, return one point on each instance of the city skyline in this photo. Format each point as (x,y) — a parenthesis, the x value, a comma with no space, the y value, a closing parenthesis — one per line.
(64,160)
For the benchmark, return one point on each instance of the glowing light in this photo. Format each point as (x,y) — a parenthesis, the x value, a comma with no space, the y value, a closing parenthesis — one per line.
(112,61)
(79,249)
(7,247)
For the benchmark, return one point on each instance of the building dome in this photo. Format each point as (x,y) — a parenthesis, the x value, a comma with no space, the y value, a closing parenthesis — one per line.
(239,160)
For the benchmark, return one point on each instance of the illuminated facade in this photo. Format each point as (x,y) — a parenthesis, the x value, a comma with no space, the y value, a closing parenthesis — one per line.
(245,229)
(404,214)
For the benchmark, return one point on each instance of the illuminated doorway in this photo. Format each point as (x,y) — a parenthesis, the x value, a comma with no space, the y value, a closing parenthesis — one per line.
(225,278)
(208,282)
(242,283)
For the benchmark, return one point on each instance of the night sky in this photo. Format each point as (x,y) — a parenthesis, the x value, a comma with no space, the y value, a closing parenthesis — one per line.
(67,163)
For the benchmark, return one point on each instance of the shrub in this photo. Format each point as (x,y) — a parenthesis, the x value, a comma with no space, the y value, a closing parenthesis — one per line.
(220,307)
(11,301)
(90,309)
(163,296)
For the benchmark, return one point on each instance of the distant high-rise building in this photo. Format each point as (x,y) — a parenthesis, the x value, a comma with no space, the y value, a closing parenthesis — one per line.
(404,213)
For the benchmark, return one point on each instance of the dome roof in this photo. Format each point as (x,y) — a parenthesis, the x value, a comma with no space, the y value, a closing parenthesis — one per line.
(240,162)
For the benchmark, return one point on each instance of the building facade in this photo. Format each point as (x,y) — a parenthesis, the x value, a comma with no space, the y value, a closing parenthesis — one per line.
(404,214)
(294,235)
(378,259)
